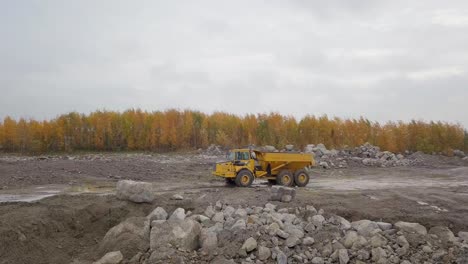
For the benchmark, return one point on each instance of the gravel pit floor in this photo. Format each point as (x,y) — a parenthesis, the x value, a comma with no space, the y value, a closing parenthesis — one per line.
(56,209)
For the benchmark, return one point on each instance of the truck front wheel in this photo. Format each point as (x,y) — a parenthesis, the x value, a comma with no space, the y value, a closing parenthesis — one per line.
(285,178)
(244,178)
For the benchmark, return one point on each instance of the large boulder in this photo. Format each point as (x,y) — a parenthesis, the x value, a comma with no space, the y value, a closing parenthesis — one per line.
(366,228)
(129,237)
(278,192)
(414,228)
(138,192)
(183,234)
(110,258)
(444,234)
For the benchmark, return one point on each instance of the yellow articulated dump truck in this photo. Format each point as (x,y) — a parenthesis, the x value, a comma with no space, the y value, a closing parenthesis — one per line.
(284,168)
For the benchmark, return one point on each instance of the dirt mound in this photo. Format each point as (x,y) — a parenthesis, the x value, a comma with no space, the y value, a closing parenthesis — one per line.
(57,229)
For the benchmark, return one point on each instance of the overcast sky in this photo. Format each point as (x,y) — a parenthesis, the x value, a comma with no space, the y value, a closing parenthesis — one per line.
(385,60)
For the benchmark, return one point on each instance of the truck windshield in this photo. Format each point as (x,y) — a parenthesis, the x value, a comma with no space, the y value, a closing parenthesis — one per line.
(238,156)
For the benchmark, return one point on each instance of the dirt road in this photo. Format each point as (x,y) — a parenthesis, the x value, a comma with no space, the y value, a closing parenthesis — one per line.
(70,202)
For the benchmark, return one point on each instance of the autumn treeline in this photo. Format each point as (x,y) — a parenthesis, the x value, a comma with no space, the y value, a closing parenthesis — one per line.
(181,130)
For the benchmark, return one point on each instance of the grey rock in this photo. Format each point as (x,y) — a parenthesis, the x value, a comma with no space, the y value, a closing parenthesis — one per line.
(177,197)
(411,228)
(378,241)
(218,205)
(277,192)
(183,234)
(281,258)
(210,212)
(138,192)
(208,241)
(114,257)
(378,254)
(178,214)
(222,260)
(463,236)
(427,249)
(157,214)
(218,217)
(273,228)
(350,238)
(443,233)
(343,256)
(249,244)
(270,207)
(308,241)
(282,234)
(129,237)
(327,250)
(317,220)
(292,241)
(286,198)
(228,211)
(239,225)
(365,228)
(240,213)
(384,226)
(263,253)
(317,260)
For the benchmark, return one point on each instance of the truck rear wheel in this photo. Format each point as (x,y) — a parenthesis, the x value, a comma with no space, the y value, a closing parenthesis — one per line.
(244,178)
(301,178)
(285,178)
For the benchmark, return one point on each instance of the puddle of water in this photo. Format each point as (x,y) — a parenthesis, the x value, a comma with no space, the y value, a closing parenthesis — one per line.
(5,198)
(40,192)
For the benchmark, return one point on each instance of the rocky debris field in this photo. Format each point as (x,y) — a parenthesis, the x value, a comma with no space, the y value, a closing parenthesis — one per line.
(269,234)
(371,156)
(71,226)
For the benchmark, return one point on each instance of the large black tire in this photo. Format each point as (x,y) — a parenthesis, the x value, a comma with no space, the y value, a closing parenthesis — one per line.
(301,178)
(244,178)
(285,178)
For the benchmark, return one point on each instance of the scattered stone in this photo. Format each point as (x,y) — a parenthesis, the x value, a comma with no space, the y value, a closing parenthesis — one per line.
(177,197)
(218,217)
(308,241)
(378,254)
(317,260)
(281,258)
(365,228)
(208,241)
(250,244)
(178,214)
(157,214)
(343,256)
(263,253)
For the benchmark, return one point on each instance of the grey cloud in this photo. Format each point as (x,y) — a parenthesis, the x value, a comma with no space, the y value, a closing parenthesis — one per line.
(386,60)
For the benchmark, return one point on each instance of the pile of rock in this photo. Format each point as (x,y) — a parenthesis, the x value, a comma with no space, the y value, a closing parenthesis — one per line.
(213,150)
(225,234)
(365,155)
